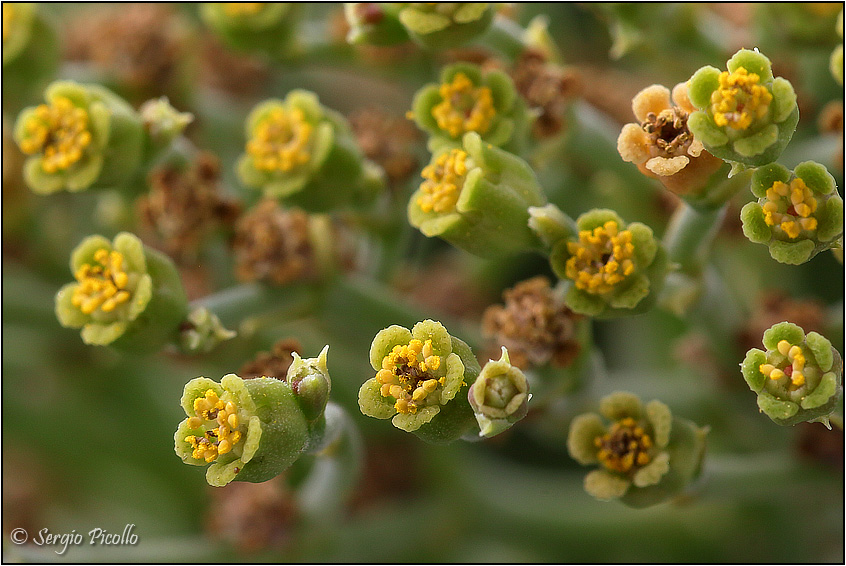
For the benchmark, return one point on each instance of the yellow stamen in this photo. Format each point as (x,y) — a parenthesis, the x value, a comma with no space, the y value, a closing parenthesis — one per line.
(601,258)
(59,132)
(739,100)
(464,108)
(789,208)
(102,284)
(219,439)
(443,182)
(237,9)
(405,375)
(281,141)
(625,447)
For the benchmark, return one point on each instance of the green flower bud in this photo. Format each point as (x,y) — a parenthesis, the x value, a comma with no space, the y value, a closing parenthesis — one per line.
(162,121)
(85,137)
(309,380)
(614,269)
(305,153)
(374,23)
(477,198)
(798,214)
(125,295)
(470,100)
(202,331)
(30,53)
(745,116)
(266,27)
(441,25)
(248,430)
(798,378)
(419,381)
(550,224)
(646,455)
(499,396)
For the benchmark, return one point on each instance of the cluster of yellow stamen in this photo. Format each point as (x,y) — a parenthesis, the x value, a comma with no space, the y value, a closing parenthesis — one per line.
(103,284)
(59,131)
(281,140)
(237,9)
(405,374)
(443,181)
(220,439)
(464,108)
(790,207)
(601,258)
(739,100)
(625,447)
(8,18)
(792,369)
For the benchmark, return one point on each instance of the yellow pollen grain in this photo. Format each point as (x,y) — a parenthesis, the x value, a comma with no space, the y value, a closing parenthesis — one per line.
(739,100)
(405,375)
(59,132)
(601,259)
(220,439)
(624,447)
(281,141)
(102,283)
(789,208)
(442,182)
(464,107)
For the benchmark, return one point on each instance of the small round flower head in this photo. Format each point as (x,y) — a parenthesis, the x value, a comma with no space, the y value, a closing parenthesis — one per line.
(744,115)
(83,136)
(374,23)
(440,25)
(798,378)
(470,100)
(662,146)
(115,283)
(477,198)
(418,373)
(265,27)
(305,153)
(499,396)
(615,268)
(249,430)
(798,214)
(645,455)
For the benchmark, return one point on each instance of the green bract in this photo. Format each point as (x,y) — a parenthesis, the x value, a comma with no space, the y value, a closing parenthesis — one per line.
(646,455)
(745,116)
(798,214)
(798,378)
(419,381)
(499,396)
(477,198)
(614,269)
(103,148)
(470,100)
(266,27)
(441,25)
(126,295)
(305,153)
(374,23)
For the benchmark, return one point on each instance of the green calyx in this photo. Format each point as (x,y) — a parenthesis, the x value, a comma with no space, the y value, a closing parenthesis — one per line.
(304,153)
(101,148)
(420,380)
(310,382)
(745,116)
(125,295)
(798,378)
(254,27)
(612,268)
(468,99)
(477,198)
(446,24)
(247,430)
(646,455)
(798,213)
(374,23)
(499,396)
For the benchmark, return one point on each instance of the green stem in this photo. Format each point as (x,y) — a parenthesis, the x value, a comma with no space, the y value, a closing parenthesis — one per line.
(689,236)
(505,36)
(235,304)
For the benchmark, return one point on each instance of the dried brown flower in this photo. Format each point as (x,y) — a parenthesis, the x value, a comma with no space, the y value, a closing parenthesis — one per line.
(534,325)
(253,516)
(238,74)
(274,363)
(547,88)
(774,307)
(387,140)
(184,206)
(273,244)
